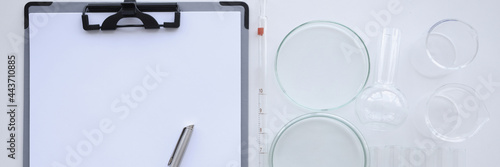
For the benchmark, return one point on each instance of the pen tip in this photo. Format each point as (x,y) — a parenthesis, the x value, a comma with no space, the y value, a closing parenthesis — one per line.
(170,161)
(191,126)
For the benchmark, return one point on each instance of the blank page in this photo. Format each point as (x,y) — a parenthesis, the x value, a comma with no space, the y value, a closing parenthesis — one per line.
(121,98)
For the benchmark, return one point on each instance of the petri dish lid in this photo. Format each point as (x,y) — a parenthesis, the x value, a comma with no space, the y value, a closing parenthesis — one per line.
(319,140)
(322,65)
(455,112)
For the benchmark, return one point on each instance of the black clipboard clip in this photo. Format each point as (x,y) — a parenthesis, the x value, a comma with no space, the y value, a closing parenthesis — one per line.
(130,8)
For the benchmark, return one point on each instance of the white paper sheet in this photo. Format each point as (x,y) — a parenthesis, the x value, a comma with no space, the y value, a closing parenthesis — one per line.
(121,98)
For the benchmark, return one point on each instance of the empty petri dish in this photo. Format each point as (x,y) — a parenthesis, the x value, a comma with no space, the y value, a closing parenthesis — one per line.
(452,44)
(449,45)
(319,140)
(455,113)
(322,65)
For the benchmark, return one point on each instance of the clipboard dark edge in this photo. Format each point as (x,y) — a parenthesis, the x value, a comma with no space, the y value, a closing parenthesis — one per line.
(26,119)
(244,76)
(27,8)
(244,82)
(239,3)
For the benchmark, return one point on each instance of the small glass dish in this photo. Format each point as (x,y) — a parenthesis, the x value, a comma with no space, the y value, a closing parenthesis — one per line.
(454,113)
(322,65)
(318,139)
(448,46)
(452,44)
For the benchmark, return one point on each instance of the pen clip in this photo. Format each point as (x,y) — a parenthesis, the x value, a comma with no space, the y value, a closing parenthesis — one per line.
(177,145)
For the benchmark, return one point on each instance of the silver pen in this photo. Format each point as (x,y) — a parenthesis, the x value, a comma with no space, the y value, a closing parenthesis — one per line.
(180,148)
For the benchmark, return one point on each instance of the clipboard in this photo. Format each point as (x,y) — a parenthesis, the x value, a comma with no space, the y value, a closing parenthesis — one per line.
(118,93)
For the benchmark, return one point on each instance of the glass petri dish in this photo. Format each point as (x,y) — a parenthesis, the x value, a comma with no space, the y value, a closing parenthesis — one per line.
(322,65)
(319,140)
(452,44)
(455,113)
